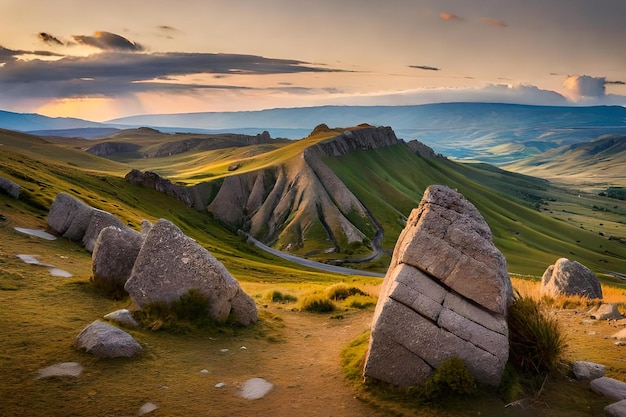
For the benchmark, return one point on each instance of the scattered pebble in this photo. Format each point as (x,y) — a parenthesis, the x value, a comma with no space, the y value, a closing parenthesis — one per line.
(243,348)
(204,371)
(73,369)
(147,408)
(256,388)
(220,385)
(56,272)
(223,350)
(36,232)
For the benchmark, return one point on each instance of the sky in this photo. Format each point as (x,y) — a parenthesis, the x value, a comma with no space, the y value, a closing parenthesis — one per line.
(101,60)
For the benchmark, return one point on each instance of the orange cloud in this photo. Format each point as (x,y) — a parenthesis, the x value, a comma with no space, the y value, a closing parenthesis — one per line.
(493,22)
(449,16)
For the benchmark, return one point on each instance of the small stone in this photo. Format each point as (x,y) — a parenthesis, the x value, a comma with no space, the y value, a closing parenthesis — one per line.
(73,369)
(617,409)
(220,385)
(204,371)
(122,317)
(588,370)
(147,408)
(223,350)
(256,388)
(609,387)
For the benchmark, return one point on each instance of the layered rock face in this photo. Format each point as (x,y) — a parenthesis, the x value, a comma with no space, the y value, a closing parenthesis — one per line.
(446,294)
(567,277)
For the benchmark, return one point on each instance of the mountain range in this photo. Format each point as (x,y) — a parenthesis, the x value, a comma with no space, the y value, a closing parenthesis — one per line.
(486,132)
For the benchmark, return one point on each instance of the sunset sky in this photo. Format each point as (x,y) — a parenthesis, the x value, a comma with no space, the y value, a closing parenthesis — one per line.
(100,60)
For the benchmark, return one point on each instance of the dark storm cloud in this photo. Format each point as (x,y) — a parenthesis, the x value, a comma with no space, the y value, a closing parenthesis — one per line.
(49,39)
(9,55)
(112,73)
(108,41)
(425,67)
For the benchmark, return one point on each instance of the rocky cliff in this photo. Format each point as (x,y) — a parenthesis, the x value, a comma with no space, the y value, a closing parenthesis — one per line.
(296,205)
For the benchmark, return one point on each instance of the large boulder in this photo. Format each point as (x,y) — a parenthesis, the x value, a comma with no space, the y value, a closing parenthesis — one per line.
(106,341)
(445,295)
(567,277)
(78,221)
(9,187)
(170,264)
(113,257)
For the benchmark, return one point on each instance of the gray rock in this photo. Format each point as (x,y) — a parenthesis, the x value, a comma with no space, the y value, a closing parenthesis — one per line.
(609,387)
(621,335)
(567,277)
(113,257)
(170,264)
(146,226)
(445,295)
(73,369)
(147,408)
(122,317)
(9,187)
(606,312)
(69,216)
(98,221)
(588,370)
(256,388)
(106,341)
(244,309)
(617,409)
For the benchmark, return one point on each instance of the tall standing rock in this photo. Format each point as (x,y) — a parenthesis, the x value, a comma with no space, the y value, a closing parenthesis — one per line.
(567,277)
(445,295)
(170,264)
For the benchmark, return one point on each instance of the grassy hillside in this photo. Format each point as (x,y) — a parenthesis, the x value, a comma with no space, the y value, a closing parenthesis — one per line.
(527,215)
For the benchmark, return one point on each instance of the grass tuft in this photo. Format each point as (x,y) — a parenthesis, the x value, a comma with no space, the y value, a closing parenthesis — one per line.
(189,312)
(317,304)
(276,296)
(342,291)
(536,342)
(452,378)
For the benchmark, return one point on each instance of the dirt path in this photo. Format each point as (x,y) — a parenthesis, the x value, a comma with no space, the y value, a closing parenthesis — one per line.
(306,369)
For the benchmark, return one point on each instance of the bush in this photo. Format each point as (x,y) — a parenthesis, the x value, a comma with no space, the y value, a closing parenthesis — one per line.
(451,378)
(342,291)
(360,301)
(317,304)
(278,297)
(536,342)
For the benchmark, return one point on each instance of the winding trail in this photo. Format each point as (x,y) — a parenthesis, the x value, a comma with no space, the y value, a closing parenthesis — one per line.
(308,263)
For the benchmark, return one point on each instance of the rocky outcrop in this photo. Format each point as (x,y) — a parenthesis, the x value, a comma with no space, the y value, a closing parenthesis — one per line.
(363,137)
(110,148)
(171,264)
(197,196)
(422,149)
(446,294)
(113,258)
(106,341)
(9,187)
(567,277)
(77,221)
(207,143)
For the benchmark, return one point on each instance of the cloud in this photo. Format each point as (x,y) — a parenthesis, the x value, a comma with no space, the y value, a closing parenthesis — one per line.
(109,74)
(10,55)
(49,39)
(449,16)
(493,22)
(108,41)
(581,87)
(617,82)
(425,67)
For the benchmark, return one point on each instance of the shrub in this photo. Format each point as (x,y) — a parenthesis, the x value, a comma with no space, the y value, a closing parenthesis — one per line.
(342,291)
(360,301)
(317,304)
(451,378)
(536,342)
(278,297)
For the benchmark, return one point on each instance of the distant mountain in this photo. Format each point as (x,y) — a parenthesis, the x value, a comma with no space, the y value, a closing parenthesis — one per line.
(27,122)
(489,132)
(601,161)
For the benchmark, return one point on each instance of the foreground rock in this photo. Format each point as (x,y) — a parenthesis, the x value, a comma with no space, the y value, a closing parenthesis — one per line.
(609,387)
(446,294)
(113,258)
(106,341)
(588,370)
(79,222)
(9,187)
(256,388)
(606,312)
(122,317)
(170,264)
(567,277)
(617,409)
